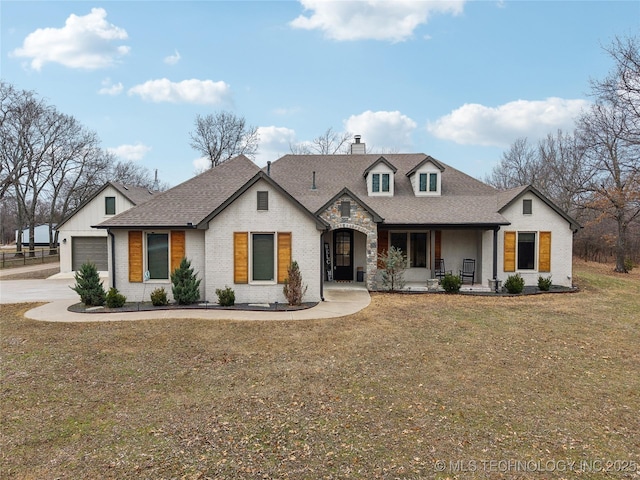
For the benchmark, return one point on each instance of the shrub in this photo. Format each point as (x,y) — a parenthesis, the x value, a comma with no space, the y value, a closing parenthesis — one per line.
(451,283)
(293,288)
(89,286)
(544,284)
(628,264)
(226,297)
(114,298)
(159,297)
(514,283)
(186,287)
(394,263)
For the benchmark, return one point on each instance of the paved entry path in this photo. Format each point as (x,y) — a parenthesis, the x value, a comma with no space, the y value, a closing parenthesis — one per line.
(338,302)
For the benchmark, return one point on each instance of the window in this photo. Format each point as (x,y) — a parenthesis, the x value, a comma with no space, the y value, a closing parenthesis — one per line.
(345,209)
(375,182)
(423,182)
(433,182)
(109,205)
(385,182)
(526,251)
(399,240)
(263,200)
(158,255)
(527,207)
(419,249)
(262,258)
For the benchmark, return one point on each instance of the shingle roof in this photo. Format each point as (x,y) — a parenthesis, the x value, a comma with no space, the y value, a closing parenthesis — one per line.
(464,200)
(187,204)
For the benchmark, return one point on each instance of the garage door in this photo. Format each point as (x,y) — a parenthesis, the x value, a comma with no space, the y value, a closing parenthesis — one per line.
(89,249)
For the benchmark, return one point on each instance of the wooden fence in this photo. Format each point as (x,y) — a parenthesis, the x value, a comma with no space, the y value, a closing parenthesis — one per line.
(11,258)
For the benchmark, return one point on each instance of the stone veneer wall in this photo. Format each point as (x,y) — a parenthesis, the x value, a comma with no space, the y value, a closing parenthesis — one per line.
(362,221)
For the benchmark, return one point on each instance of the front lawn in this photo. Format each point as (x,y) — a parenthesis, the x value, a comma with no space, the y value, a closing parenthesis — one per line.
(414,386)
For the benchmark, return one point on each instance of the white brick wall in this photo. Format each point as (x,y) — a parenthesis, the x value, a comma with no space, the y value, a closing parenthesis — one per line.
(545,219)
(243,216)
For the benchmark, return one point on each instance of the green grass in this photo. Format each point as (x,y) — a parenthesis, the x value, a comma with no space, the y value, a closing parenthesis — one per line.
(387,393)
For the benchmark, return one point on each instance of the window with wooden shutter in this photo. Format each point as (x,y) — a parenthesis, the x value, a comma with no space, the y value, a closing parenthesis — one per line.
(135,256)
(177,248)
(240,257)
(509,251)
(544,254)
(284,255)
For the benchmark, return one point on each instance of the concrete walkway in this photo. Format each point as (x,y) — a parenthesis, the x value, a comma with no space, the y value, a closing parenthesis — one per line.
(340,300)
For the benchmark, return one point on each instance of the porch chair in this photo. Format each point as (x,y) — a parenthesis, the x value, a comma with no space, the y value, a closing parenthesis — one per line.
(468,270)
(439,269)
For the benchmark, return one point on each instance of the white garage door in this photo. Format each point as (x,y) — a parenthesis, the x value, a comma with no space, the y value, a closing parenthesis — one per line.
(89,249)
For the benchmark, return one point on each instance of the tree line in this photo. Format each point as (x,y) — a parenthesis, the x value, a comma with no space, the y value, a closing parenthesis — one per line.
(50,164)
(593,173)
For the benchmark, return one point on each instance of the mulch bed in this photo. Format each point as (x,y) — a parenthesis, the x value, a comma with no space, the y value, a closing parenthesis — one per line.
(149,307)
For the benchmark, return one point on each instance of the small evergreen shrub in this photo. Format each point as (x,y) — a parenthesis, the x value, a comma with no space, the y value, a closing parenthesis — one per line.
(451,283)
(514,283)
(544,284)
(186,287)
(114,298)
(89,286)
(159,297)
(394,263)
(628,264)
(226,297)
(293,288)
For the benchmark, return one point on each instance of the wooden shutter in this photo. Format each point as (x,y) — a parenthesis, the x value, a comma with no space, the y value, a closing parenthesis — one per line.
(284,255)
(437,248)
(509,251)
(177,248)
(135,256)
(544,254)
(241,257)
(383,244)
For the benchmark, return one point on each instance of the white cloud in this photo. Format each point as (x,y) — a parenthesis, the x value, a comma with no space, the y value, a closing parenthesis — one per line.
(383,130)
(130,152)
(109,88)
(172,59)
(475,124)
(202,92)
(201,164)
(274,143)
(87,42)
(374,19)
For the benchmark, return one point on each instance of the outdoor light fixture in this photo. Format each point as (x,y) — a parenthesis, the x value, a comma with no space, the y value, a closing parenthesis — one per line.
(64,240)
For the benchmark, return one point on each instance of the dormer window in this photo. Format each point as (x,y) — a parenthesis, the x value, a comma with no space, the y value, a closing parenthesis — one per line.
(379,178)
(426,177)
(375,182)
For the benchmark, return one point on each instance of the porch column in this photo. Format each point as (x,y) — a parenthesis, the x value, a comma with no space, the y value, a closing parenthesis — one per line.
(495,254)
(372,259)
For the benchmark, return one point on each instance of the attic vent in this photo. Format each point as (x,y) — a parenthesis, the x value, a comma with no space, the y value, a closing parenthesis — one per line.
(125,187)
(345,209)
(263,200)
(313,182)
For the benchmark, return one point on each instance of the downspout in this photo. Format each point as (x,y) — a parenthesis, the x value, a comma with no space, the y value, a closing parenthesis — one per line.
(113,258)
(321,267)
(495,257)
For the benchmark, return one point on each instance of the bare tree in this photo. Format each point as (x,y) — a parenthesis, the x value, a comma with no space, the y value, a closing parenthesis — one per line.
(520,165)
(615,183)
(622,86)
(329,143)
(222,136)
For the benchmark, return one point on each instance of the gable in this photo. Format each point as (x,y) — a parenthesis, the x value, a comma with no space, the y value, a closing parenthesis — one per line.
(93,211)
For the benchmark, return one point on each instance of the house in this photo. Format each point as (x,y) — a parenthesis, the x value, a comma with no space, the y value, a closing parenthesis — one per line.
(41,236)
(241,226)
(79,242)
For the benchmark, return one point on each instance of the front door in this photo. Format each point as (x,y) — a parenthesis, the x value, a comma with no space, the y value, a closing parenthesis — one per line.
(343,254)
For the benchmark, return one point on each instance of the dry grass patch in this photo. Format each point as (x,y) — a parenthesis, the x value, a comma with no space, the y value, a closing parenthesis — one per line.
(386,393)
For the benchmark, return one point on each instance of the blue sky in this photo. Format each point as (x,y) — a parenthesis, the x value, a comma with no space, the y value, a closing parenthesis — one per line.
(457,80)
